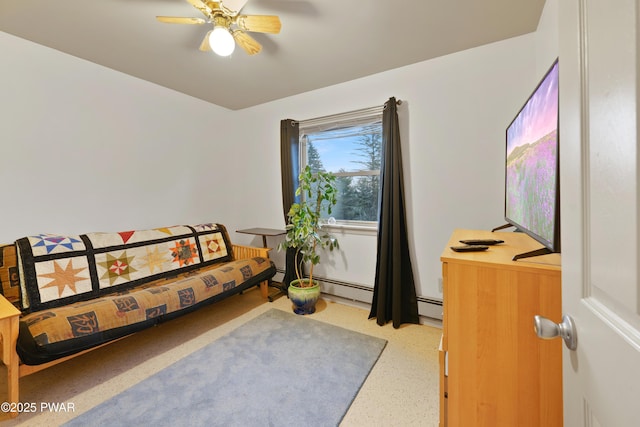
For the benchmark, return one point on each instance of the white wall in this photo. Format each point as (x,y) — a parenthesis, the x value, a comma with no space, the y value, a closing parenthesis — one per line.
(84,148)
(453,117)
(547,49)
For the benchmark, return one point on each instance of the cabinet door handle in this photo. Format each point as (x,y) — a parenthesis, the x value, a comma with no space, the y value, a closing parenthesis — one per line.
(547,329)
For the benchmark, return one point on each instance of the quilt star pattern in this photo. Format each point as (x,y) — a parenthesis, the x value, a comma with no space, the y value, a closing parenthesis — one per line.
(56,270)
(51,243)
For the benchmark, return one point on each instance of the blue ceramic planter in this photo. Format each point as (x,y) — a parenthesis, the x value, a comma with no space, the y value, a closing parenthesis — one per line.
(304,299)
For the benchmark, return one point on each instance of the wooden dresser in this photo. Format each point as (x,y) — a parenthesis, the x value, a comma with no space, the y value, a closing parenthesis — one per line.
(494,370)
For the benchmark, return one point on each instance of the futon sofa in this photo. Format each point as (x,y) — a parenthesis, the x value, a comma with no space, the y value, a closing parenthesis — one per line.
(64,295)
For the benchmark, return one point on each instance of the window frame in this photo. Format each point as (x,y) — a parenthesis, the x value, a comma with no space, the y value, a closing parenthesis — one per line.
(351,119)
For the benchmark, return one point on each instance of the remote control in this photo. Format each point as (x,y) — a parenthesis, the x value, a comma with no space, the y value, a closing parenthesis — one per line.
(470,248)
(483,242)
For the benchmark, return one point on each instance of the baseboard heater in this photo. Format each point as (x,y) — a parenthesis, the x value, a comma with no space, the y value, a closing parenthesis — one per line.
(427,307)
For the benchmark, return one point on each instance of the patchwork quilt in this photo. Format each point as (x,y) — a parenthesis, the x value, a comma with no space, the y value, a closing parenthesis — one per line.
(59,270)
(53,333)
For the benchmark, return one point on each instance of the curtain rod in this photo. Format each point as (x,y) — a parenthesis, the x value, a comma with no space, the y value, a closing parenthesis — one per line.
(362,111)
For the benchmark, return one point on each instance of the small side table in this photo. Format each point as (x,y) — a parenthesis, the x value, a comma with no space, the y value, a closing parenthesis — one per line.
(266,232)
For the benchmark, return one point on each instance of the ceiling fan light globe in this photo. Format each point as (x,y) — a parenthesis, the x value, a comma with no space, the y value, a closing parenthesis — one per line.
(221,41)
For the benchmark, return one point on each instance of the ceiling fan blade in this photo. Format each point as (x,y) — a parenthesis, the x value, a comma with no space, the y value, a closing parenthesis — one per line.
(198,4)
(212,5)
(259,23)
(204,46)
(246,42)
(180,20)
(201,6)
(233,6)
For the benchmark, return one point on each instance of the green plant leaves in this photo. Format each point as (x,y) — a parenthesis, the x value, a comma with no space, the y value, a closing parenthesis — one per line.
(304,227)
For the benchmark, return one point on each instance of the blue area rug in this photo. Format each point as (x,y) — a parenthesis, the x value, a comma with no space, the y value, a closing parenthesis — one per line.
(278,369)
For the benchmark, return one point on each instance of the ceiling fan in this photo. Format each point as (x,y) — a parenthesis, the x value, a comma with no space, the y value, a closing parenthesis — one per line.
(229,27)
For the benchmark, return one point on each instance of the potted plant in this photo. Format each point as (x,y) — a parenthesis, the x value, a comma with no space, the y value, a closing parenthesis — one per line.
(306,236)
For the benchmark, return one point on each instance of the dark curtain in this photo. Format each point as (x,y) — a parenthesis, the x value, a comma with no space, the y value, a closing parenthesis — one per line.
(290,165)
(394,294)
(289,162)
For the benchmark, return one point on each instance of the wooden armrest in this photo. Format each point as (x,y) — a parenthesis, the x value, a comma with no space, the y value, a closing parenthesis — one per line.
(244,252)
(7,309)
(9,319)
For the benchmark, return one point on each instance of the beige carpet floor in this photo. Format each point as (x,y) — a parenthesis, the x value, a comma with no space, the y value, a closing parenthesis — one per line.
(402,389)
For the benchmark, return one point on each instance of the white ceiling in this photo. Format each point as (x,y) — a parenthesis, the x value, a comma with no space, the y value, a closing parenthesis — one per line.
(322,42)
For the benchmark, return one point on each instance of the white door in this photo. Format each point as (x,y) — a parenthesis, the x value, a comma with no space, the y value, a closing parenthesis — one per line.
(599,94)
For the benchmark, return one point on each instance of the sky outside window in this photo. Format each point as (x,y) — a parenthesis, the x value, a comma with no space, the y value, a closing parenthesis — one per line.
(338,149)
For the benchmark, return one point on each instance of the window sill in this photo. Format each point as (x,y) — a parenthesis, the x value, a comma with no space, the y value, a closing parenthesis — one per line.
(368,230)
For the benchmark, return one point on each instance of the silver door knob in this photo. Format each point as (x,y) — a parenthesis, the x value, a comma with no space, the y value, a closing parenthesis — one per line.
(546,329)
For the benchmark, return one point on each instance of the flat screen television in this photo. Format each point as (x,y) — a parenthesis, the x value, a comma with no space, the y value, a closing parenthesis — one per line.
(532,166)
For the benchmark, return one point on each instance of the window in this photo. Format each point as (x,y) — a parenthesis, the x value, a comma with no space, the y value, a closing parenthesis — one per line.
(350,146)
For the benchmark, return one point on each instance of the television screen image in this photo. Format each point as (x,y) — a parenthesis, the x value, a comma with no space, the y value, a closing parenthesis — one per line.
(532,164)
